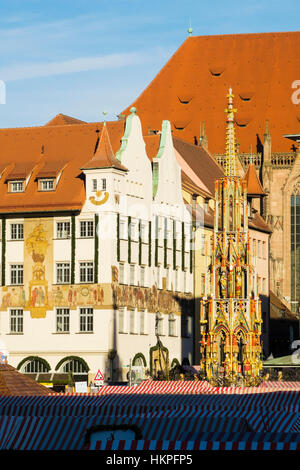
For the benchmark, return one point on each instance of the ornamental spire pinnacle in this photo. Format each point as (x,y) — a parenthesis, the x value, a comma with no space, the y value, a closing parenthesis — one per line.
(230,156)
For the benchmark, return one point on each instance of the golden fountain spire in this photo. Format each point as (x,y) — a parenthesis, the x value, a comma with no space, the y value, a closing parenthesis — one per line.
(230,156)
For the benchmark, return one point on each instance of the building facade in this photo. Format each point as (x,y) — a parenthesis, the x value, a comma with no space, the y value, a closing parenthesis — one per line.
(96,284)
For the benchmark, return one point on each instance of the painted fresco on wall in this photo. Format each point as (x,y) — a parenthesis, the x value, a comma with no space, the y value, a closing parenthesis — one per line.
(38,256)
(150,298)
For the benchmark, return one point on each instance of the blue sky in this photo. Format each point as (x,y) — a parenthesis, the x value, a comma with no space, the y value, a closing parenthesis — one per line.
(81,57)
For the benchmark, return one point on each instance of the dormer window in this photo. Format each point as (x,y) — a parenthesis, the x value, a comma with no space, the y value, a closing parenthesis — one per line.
(46,184)
(94,183)
(16,186)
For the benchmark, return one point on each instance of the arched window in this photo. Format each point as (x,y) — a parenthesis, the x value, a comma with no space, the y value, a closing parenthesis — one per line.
(241,345)
(34,365)
(295,246)
(76,365)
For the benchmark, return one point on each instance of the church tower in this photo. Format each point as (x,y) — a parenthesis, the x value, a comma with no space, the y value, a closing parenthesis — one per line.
(230,318)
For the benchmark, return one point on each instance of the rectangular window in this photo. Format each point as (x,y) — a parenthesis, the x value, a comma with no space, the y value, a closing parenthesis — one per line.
(62,320)
(172,325)
(132,322)
(63,229)
(263,286)
(63,273)
(142,276)
(16,321)
(121,273)
(94,183)
(134,230)
(16,186)
(86,317)
(103,184)
(47,185)
(142,322)
(263,254)
(17,231)
(177,287)
(16,274)
(86,228)
(258,249)
(122,320)
(132,275)
(86,271)
(144,232)
(123,228)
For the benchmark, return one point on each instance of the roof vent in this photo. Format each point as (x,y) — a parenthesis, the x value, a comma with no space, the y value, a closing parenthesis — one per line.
(242,121)
(180,125)
(246,95)
(216,71)
(185,99)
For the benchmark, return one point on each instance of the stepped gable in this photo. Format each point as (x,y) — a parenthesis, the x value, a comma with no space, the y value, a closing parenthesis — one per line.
(190,88)
(13,382)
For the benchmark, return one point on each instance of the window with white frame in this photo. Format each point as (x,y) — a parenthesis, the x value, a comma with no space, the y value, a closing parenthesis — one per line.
(168,280)
(16,320)
(142,322)
(46,184)
(103,184)
(121,273)
(62,320)
(263,250)
(17,231)
(142,276)
(35,366)
(134,230)
(86,320)
(123,228)
(16,274)
(185,281)
(132,275)
(172,324)
(144,232)
(86,271)
(177,279)
(94,185)
(122,322)
(16,186)
(259,249)
(159,324)
(159,277)
(86,228)
(132,321)
(63,273)
(186,326)
(263,285)
(63,229)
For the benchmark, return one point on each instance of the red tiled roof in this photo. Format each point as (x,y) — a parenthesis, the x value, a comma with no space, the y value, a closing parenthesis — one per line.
(62,119)
(13,382)
(104,156)
(254,186)
(74,144)
(192,88)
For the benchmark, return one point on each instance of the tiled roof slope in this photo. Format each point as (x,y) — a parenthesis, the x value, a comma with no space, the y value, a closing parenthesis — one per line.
(13,382)
(63,119)
(192,88)
(254,186)
(49,149)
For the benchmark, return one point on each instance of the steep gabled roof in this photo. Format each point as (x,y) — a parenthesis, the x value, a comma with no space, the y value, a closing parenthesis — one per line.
(104,156)
(254,187)
(192,86)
